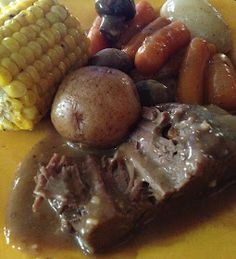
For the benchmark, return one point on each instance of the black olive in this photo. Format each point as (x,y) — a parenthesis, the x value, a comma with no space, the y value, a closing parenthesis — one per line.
(125,8)
(152,92)
(111,27)
(113,58)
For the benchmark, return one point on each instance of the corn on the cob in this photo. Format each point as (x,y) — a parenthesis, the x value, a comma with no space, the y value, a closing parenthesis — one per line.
(39,43)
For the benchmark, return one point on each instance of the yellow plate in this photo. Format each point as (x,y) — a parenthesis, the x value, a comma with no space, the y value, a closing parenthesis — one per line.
(207,230)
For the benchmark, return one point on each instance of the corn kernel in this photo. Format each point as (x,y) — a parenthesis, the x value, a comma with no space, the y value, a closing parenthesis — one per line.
(69,40)
(60,51)
(47,61)
(43,43)
(84,45)
(11,44)
(1,36)
(43,23)
(72,22)
(56,35)
(19,60)
(33,73)
(48,36)
(21,38)
(48,2)
(25,78)
(5,76)
(54,56)
(65,47)
(28,54)
(45,5)
(22,19)
(52,18)
(72,57)
(29,99)
(30,113)
(22,123)
(29,33)
(4,52)
(21,5)
(9,65)
(60,27)
(31,19)
(35,28)
(15,89)
(7,125)
(13,25)
(40,67)
(62,67)
(37,90)
(2,19)
(36,11)
(60,11)
(36,48)
(75,34)
(5,32)
(51,80)
(15,104)
(17,117)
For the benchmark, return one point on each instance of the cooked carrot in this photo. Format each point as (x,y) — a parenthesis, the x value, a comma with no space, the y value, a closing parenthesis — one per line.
(221,82)
(134,44)
(172,66)
(145,14)
(97,40)
(158,47)
(191,77)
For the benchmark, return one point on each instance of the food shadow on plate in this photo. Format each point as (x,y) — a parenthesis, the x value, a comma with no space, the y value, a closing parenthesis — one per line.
(173,225)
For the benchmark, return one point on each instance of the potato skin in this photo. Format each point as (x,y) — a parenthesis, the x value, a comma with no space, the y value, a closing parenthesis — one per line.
(96,106)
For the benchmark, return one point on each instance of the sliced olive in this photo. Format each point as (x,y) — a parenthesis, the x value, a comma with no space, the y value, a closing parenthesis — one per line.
(111,27)
(125,8)
(113,58)
(152,92)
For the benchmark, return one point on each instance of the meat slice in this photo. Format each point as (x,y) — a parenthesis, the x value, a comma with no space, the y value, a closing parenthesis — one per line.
(182,148)
(92,199)
(60,183)
(177,152)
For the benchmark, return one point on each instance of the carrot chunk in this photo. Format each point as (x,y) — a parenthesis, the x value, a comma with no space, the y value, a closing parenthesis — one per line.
(158,47)
(97,40)
(135,43)
(221,82)
(145,14)
(191,77)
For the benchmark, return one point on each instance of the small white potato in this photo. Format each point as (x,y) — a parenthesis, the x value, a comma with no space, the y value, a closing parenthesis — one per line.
(97,106)
(202,19)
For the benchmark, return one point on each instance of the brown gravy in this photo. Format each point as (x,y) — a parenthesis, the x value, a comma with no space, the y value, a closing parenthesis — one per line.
(38,232)
(32,231)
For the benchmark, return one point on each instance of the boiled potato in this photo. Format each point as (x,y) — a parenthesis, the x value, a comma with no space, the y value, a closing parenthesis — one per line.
(201,19)
(96,105)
